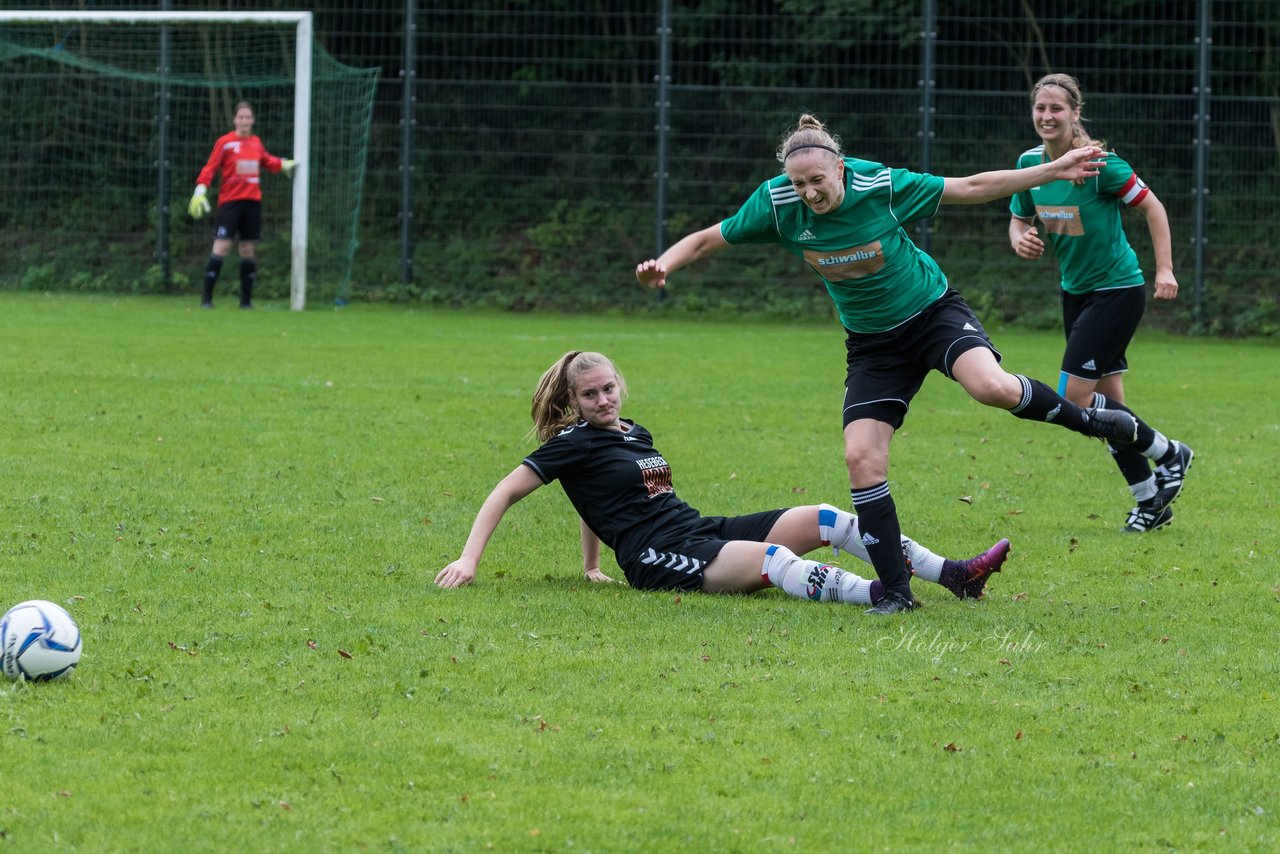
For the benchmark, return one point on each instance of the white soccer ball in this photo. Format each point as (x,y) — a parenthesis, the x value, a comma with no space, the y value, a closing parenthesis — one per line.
(38,640)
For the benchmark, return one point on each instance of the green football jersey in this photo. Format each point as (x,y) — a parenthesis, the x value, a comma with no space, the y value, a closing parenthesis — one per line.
(876,275)
(1082,223)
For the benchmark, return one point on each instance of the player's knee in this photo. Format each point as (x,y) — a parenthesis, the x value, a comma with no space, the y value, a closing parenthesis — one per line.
(1084,400)
(778,561)
(867,465)
(835,526)
(995,389)
(1079,392)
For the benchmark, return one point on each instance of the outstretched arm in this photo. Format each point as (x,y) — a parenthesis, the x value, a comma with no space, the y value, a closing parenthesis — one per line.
(1162,243)
(591,554)
(988,186)
(687,249)
(511,489)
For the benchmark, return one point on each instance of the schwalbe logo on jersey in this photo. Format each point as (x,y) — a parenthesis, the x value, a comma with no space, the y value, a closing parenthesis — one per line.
(845,265)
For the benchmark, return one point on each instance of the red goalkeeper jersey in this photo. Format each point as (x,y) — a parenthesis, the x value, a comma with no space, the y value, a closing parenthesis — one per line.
(239,160)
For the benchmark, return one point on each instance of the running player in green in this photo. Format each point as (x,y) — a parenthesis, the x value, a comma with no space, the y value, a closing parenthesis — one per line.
(1103,289)
(622,489)
(846,219)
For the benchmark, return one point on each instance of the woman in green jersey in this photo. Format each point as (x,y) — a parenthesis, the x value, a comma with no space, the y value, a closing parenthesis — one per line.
(621,487)
(1102,286)
(846,218)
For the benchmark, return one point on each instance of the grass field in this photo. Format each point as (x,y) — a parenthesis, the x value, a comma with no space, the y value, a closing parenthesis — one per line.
(245,510)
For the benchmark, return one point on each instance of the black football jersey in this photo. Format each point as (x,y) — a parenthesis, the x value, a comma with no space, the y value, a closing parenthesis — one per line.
(618,482)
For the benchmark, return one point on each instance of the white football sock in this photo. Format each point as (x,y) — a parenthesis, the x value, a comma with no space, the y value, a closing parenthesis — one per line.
(1144,490)
(1159,446)
(808,579)
(839,529)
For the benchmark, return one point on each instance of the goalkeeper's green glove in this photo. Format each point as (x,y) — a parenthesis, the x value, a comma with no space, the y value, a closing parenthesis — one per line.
(199,205)
(287,166)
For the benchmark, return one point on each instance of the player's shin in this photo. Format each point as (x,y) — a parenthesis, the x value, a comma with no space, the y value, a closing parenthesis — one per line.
(881,536)
(211,270)
(1038,402)
(817,582)
(1041,403)
(839,529)
(248,275)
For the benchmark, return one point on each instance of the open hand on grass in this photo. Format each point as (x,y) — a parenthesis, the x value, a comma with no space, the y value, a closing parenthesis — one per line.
(457,574)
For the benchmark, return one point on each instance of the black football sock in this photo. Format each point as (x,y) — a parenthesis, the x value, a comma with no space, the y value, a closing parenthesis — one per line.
(248,273)
(1041,403)
(882,536)
(211,271)
(1151,443)
(1136,470)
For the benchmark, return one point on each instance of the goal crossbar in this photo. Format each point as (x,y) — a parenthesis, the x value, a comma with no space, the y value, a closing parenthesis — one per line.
(303,23)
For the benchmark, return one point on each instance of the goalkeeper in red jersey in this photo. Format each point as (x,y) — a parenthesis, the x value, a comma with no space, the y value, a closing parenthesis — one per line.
(239,158)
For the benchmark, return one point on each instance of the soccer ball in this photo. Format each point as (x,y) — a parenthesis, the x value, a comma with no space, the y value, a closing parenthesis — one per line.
(38,640)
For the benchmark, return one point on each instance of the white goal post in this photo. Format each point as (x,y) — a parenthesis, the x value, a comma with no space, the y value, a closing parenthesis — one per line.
(303,24)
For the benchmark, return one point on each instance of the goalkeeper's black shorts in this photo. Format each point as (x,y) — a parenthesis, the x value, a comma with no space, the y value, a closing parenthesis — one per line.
(242,220)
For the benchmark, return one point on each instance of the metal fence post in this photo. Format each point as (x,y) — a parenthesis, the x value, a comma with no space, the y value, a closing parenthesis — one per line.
(1201,190)
(162,157)
(407,124)
(928,41)
(663,128)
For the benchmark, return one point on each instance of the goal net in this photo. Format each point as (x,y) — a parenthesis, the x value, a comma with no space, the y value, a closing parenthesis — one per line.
(111,116)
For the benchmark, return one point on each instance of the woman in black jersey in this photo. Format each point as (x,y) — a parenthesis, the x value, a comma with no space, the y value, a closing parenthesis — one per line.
(621,487)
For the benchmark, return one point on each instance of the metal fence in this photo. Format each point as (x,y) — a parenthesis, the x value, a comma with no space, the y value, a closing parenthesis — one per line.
(558,141)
